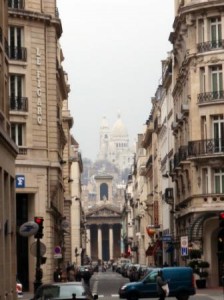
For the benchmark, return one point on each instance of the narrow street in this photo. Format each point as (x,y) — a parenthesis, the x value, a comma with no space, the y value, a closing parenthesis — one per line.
(106,285)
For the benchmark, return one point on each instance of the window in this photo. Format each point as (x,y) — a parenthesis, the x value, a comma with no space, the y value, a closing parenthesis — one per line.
(17,133)
(216,32)
(219,181)
(202,80)
(15,3)
(218,133)
(216,82)
(201,31)
(103,191)
(204,181)
(16,92)
(16,51)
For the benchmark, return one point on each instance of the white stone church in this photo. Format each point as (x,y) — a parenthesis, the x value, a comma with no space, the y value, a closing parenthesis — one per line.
(114,144)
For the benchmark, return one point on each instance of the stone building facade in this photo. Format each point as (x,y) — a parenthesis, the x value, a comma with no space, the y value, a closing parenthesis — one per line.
(183,139)
(37,89)
(8,154)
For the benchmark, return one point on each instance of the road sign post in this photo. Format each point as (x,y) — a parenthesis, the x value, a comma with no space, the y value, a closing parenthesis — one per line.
(184,245)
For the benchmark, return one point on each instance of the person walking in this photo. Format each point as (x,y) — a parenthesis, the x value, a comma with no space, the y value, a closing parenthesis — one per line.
(160,282)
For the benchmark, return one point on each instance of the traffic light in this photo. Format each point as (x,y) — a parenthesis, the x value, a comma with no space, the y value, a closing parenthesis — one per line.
(221,219)
(40,222)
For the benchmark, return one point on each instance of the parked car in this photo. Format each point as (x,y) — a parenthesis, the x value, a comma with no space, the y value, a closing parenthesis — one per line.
(64,290)
(84,271)
(19,288)
(180,280)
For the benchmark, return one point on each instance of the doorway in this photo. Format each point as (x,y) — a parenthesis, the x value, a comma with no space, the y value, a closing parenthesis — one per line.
(22,242)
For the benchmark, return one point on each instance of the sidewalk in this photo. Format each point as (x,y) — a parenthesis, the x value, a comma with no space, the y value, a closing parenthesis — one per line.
(216,291)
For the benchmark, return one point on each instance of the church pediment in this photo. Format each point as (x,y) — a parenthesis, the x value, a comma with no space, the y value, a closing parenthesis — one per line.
(104,212)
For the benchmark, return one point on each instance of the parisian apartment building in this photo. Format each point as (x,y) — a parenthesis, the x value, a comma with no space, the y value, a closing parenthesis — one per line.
(177,180)
(8,150)
(40,124)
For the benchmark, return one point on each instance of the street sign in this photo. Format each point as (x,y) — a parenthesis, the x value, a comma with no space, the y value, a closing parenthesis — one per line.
(57,250)
(184,251)
(184,245)
(58,255)
(167,238)
(20,181)
(33,249)
(28,229)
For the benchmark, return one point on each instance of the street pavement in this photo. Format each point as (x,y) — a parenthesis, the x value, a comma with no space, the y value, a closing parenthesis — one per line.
(106,285)
(203,294)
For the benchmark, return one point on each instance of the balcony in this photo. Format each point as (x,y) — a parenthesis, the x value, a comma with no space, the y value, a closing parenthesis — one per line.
(180,156)
(210,46)
(17,53)
(19,103)
(210,97)
(22,150)
(19,4)
(206,147)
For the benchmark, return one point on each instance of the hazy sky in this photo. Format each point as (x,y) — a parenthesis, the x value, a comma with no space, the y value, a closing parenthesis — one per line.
(113,51)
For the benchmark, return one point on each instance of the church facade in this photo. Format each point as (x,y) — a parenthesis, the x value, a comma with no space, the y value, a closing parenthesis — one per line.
(103,197)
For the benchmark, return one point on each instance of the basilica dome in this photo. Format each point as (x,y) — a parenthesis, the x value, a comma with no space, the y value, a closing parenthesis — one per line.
(119,130)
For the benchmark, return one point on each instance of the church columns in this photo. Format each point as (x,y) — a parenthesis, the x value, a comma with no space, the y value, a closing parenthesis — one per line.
(111,242)
(99,242)
(88,241)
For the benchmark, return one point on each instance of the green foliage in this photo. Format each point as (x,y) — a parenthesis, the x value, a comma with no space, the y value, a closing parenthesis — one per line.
(199,267)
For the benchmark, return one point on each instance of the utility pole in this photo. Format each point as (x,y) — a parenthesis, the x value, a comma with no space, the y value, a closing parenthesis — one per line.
(38,236)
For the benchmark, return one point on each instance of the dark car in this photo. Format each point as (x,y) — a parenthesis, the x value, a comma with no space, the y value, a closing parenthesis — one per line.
(64,291)
(85,271)
(180,281)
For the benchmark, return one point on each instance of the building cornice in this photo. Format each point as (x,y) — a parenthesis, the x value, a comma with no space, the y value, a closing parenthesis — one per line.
(38,17)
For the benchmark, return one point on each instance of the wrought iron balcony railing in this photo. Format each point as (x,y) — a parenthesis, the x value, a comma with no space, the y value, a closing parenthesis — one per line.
(22,150)
(17,53)
(210,46)
(19,103)
(181,155)
(16,4)
(206,147)
(210,97)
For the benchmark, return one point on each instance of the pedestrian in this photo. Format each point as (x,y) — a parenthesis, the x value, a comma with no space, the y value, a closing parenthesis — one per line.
(160,282)
(71,273)
(57,275)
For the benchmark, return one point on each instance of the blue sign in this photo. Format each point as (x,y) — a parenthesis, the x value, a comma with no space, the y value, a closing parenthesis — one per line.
(184,251)
(167,238)
(20,181)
